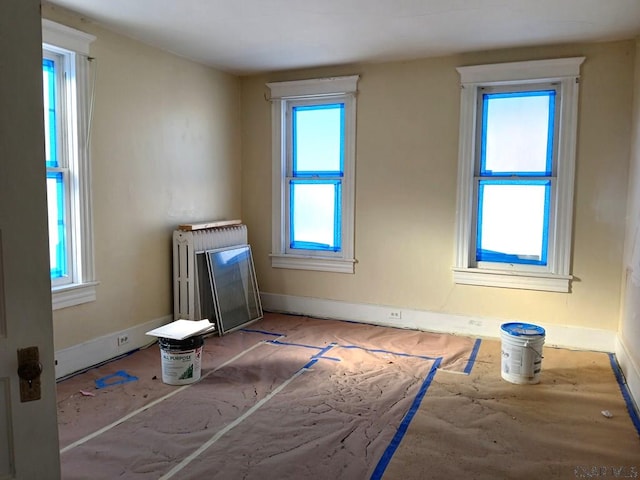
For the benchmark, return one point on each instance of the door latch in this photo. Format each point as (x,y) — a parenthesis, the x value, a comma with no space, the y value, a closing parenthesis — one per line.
(29,370)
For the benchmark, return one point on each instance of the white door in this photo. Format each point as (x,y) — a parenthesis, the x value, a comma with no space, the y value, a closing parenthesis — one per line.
(28,430)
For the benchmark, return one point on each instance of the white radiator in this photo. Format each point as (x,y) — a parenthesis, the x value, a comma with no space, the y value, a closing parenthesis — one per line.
(186,244)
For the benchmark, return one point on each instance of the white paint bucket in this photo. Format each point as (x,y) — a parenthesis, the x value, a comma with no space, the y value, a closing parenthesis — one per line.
(181,360)
(522,352)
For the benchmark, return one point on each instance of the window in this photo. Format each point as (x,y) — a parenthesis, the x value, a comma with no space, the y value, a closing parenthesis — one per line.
(313,173)
(65,72)
(57,174)
(515,180)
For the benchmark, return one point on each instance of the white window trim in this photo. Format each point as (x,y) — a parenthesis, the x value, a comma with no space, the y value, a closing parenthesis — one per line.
(281,93)
(64,39)
(557,276)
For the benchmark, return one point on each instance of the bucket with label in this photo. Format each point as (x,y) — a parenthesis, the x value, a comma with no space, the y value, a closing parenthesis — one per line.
(181,359)
(522,352)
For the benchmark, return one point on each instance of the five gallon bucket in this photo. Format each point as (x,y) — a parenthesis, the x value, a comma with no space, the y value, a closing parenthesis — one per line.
(522,352)
(181,359)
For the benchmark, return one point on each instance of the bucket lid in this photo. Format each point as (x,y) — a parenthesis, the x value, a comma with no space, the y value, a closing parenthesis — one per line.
(519,329)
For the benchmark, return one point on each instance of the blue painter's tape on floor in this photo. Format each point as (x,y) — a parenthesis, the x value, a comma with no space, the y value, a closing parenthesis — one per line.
(402,429)
(310,364)
(290,344)
(472,358)
(633,413)
(115,379)
(324,350)
(399,354)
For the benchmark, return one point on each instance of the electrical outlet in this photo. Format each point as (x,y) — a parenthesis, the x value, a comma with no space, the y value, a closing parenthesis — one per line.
(123,340)
(395,315)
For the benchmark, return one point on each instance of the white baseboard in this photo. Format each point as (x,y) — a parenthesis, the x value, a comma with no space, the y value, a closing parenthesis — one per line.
(79,357)
(556,335)
(630,370)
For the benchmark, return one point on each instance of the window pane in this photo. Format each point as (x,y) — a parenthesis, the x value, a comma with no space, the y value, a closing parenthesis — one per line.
(517,133)
(315,215)
(49,97)
(318,139)
(57,228)
(513,219)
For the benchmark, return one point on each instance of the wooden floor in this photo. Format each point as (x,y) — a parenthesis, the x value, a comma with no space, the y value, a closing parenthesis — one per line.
(372,402)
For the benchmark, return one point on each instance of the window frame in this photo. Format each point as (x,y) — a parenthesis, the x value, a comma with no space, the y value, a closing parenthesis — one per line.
(72,47)
(514,178)
(60,148)
(284,97)
(555,276)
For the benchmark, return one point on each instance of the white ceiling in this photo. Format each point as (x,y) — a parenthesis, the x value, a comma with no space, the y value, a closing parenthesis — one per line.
(249,36)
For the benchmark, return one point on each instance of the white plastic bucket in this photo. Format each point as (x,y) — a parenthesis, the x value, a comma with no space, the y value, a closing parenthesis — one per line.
(181,360)
(522,352)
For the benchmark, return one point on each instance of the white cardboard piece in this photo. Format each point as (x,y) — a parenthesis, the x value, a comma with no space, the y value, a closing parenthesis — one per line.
(181,329)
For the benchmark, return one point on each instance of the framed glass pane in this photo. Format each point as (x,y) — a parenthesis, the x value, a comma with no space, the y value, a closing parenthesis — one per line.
(49,97)
(513,221)
(315,215)
(517,133)
(58,241)
(205,306)
(234,287)
(318,140)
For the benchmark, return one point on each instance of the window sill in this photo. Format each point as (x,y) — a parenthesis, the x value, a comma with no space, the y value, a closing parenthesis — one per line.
(322,264)
(506,279)
(71,295)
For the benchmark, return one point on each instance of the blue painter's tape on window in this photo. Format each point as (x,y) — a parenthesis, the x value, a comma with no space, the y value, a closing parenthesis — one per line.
(315,214)
(513,221)
(50,115)
(318,140)
(517,133)
(57,225)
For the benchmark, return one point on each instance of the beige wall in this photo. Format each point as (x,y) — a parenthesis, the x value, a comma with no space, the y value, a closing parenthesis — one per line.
(165,149)
(406,172)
